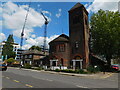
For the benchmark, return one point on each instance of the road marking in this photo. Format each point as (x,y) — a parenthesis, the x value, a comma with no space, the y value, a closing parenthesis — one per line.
(16,81)
(28,85)
(107,76)
(49,80)
(7,77)
(81,86)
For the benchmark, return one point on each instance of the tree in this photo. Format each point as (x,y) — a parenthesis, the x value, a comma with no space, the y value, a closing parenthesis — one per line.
(10,39)
(35,48)
(8,48)
(105,31)
(10,61)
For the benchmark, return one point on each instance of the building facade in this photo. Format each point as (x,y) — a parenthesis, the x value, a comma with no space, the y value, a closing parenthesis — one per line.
(72,51)
(79,36)
(32,57)
(59,51)
(15,48)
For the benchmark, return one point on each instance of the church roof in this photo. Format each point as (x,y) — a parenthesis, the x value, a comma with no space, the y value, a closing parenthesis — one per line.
(62,37)
(76,6)
(32,52)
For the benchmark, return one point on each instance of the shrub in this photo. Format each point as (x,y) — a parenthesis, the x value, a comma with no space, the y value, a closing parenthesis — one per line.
(91,69)
(27,66)
(10,61)
(80,71)
(68,71)
(57,70)
(38,68)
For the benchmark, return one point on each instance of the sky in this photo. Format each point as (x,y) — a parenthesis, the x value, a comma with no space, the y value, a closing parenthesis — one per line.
(12,18)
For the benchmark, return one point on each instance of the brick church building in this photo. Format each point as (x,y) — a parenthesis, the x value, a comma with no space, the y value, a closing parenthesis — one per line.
(72,51)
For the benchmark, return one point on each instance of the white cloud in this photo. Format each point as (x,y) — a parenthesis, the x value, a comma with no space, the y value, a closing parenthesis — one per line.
(46,12)
(107,5)
(14,17)
(26,46)
(27,32)
(2,36)
(33,36)
(0,22)
(59,13)
(38,41)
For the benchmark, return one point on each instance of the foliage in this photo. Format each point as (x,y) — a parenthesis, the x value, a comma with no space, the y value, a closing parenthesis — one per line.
(105,31)
(10,39)
(92,69)
(8,48)
(27,66)
(57,70)
(35,48)
(38,68)
(10,60)
(79,71)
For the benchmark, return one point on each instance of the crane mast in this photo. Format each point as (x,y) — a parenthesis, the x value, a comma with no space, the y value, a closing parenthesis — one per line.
(45,32)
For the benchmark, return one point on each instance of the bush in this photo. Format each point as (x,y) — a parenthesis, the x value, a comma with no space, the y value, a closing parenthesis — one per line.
(57,70)
(27,66)
(38,68)
(10,61)
(92,69)
(68,71)
(80,71)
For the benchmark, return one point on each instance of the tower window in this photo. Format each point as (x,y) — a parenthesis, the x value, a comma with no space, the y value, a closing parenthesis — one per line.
(76,45)
(62,47)
(76,19)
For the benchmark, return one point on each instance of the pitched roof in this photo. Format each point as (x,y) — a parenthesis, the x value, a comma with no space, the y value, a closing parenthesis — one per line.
(76,6)
(32,52)
(62,37)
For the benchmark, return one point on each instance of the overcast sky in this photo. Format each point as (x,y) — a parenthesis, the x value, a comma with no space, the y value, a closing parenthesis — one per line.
(12,17)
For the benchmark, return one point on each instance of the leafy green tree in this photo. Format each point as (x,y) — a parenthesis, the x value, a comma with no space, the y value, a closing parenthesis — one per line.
(105,33)
(35,48)
(10,61)
(8,48)
(10,39)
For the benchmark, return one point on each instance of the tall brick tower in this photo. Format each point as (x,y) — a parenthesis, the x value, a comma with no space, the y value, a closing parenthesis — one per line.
(79,36)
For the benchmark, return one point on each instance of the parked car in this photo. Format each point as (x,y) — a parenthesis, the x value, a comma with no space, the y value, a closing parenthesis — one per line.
(115,67)
(3,67)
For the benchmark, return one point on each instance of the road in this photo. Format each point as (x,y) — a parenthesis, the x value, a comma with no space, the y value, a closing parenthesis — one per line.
(19,78)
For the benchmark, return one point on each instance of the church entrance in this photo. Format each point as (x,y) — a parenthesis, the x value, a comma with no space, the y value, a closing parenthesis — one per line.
(77,63)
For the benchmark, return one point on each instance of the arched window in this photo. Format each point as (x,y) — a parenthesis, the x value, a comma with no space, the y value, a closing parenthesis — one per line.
(61,47)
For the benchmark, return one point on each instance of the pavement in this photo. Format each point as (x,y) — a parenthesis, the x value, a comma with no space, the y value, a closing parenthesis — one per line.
(99,75)
(27,78)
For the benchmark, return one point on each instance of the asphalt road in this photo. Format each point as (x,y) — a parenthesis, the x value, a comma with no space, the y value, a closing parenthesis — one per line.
(18,78)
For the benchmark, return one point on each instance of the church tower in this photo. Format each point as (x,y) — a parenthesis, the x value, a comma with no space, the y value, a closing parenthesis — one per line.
(79,36)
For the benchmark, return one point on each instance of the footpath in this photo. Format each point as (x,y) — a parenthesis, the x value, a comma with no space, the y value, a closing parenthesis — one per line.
(99,75)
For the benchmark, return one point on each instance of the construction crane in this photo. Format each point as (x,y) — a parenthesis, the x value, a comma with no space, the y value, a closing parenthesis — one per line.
(45,32)
(22,33)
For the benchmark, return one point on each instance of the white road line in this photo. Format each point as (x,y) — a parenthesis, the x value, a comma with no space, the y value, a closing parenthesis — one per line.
(35,71)
(81,86)
(7,77)
(49,80)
